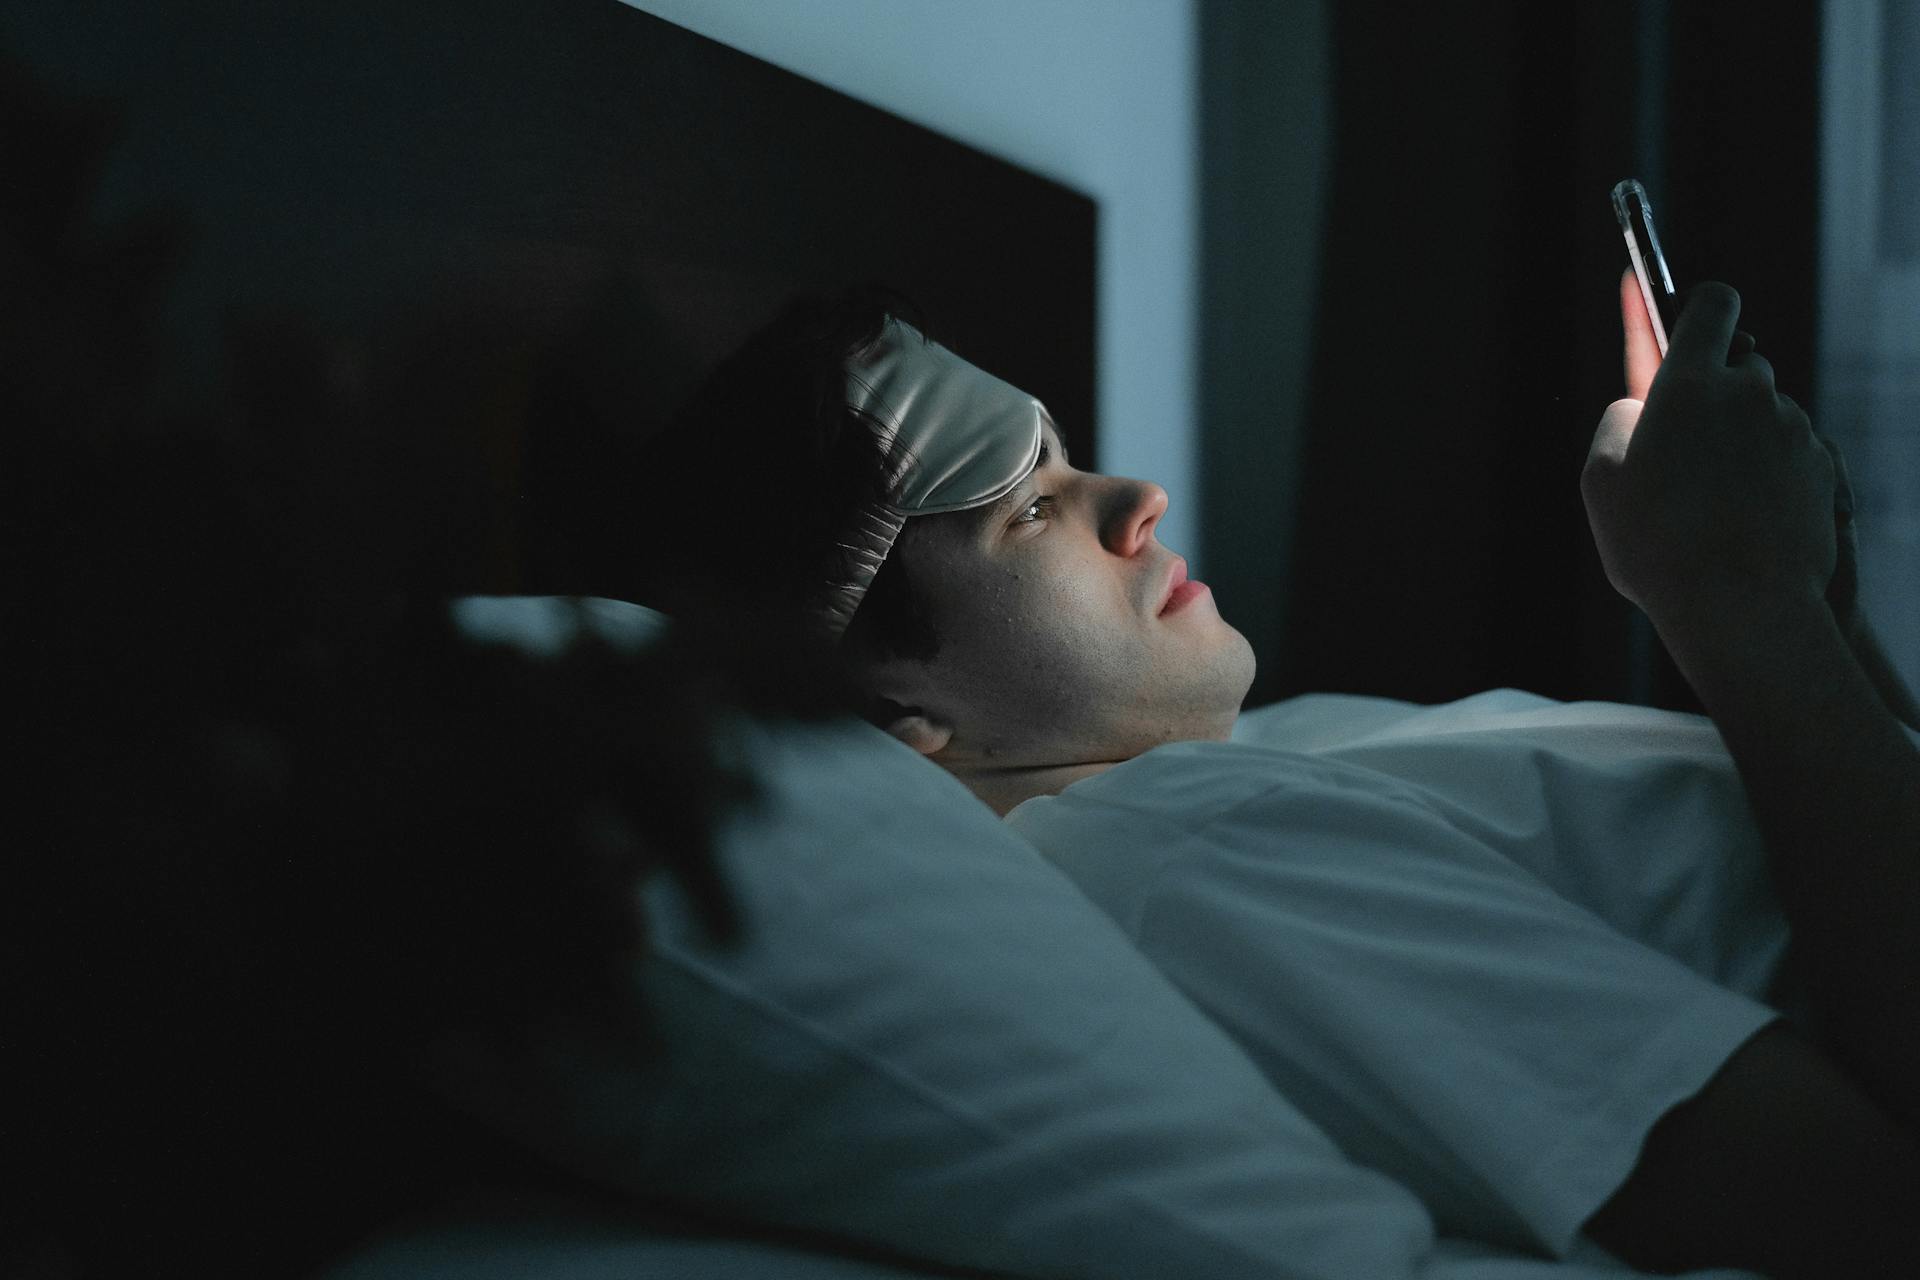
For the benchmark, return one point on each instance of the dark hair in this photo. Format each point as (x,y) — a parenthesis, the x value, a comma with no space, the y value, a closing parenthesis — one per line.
(790,464)
(894,619)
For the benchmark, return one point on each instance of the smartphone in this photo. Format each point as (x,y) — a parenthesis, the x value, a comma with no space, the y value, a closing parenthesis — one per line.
(1635,211)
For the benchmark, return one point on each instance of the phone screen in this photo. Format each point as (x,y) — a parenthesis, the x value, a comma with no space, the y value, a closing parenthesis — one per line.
(1635,212)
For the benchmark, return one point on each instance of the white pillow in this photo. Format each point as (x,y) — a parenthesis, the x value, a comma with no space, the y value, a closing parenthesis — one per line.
(562,1243)
(931,1042)
(565,1245)
(545,626)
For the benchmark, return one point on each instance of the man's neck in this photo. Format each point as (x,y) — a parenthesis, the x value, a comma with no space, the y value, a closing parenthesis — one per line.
(1003,789)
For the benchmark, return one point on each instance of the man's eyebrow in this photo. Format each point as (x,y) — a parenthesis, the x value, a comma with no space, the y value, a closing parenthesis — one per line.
(1047,450)
(999,510)
(1013,495)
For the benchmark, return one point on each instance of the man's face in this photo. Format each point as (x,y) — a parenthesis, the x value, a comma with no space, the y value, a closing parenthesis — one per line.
(1068,634)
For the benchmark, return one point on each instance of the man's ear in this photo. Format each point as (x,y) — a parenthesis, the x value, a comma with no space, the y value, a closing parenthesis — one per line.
(894,691)
(924,733)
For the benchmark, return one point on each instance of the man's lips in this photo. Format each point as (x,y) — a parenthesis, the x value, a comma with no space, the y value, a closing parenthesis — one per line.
(1181,590)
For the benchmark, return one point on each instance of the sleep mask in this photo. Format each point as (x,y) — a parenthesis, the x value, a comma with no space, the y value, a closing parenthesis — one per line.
(954,437)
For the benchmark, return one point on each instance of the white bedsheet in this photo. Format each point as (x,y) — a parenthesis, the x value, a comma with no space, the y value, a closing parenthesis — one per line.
(1634,813)
(586,1249)
(1484,946)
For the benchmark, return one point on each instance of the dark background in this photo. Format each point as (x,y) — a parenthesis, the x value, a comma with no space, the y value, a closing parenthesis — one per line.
(1466,336)
(553,202)
(574,193)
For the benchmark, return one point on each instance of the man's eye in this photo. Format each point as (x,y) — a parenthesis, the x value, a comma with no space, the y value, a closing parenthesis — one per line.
(1038,509)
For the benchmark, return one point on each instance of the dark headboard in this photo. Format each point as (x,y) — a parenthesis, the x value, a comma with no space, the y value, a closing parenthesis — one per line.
(478,181)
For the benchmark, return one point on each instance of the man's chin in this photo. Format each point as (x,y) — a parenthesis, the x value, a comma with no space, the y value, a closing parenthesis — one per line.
(1216,697)
(1248,663)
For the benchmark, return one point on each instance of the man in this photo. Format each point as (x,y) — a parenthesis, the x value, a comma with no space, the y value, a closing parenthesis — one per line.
(1016,620)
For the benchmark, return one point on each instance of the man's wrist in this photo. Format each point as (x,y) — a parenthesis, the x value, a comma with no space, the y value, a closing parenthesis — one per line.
(1732,619)
(1765,664)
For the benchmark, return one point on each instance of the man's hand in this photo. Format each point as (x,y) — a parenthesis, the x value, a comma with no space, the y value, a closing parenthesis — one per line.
(1642,365)
(1718,511)
(1642,349)
(1716,492)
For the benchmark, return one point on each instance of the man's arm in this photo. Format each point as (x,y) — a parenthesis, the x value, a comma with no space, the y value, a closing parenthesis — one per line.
(1835,789)
(1780,1165)
(1713,509)
(1843,594)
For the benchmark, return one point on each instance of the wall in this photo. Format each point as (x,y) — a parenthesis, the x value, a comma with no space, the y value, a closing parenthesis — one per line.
(1096,94)
(1869,384)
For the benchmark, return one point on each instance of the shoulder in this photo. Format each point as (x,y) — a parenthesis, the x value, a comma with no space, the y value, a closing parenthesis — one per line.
(1188,786)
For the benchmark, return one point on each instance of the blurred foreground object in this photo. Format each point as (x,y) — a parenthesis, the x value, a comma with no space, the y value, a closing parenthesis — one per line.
(287,832)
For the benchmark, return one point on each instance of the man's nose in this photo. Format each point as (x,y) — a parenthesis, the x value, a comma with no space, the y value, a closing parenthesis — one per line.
(1134,508)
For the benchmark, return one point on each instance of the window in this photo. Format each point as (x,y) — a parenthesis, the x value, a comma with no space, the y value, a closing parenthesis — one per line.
(1870,295)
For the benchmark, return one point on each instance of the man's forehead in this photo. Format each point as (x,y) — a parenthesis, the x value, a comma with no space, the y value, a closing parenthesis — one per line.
(1053,451)
(1053,445)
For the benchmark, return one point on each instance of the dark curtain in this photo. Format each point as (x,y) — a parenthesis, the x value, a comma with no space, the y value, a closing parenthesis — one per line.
(1466,336)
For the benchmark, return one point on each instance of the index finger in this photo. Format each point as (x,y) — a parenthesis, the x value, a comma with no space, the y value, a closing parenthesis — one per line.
(1704,332)
(1641,353)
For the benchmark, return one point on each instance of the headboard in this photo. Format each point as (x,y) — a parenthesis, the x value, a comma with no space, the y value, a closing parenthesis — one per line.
(477,183)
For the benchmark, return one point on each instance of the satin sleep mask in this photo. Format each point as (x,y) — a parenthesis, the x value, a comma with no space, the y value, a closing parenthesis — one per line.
(955,438)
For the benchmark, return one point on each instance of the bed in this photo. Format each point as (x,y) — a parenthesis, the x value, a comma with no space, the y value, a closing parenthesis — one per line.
(931,1055)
